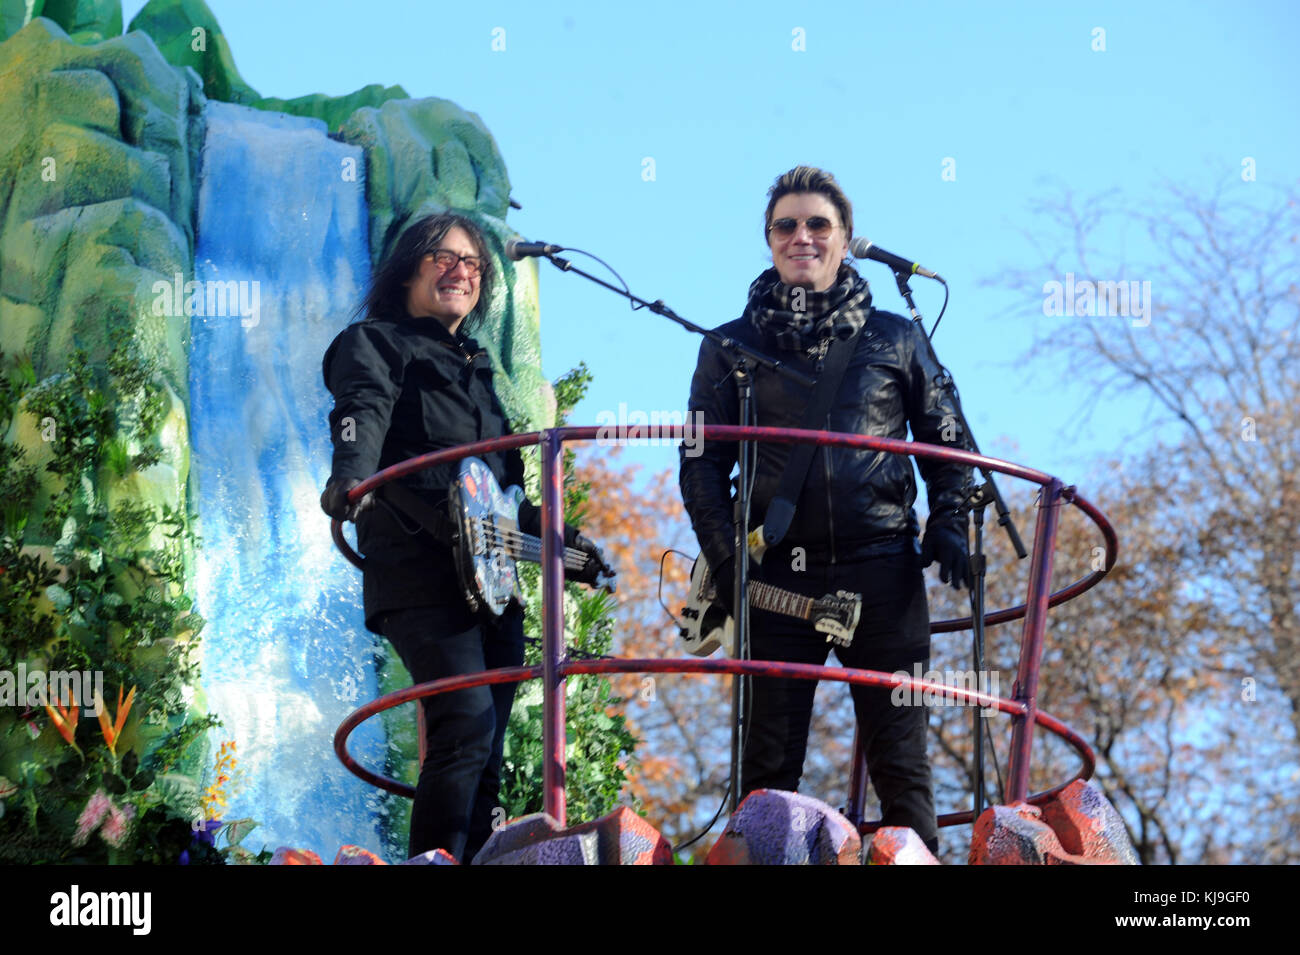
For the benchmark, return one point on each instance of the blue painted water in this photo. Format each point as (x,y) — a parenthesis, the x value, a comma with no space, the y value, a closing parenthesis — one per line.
(285,653)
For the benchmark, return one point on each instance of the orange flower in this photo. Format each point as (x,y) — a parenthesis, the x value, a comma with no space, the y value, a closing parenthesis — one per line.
(65,721)
(114,730)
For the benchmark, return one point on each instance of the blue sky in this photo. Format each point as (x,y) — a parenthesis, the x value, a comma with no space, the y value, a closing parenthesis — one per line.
(1014,94)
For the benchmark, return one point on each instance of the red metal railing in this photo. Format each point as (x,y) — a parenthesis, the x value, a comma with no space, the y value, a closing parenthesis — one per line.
(555,668)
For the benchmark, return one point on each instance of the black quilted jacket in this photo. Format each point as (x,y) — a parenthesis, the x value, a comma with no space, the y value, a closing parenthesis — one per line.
(404,387)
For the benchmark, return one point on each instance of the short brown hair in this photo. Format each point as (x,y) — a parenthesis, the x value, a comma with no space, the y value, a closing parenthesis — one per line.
(809,179)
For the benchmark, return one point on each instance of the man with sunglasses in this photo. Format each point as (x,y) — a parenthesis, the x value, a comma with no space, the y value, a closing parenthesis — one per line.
(406,381)
(853,526)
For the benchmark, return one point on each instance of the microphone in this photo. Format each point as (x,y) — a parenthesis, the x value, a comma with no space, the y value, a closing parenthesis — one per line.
(861,248)
(519,249)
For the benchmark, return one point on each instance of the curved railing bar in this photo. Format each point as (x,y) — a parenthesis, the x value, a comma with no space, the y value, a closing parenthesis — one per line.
(793,435)
(554,669)
(798,671)
(420,463)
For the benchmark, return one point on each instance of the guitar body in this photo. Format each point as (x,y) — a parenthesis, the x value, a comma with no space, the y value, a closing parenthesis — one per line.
(708,625)
(488,542)
(480,508)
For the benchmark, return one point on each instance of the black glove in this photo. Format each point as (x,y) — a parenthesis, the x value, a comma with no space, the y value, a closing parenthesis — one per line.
(334,500)
(724,584)
(947,544)
(595,567)
(530,518)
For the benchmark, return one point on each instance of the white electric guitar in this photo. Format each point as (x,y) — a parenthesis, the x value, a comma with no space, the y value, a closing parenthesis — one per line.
(709,626)
(489,541)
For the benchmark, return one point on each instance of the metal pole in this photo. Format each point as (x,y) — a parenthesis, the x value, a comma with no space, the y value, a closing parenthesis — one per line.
(553,696)
(1031,641)
(741,686)
(857,780)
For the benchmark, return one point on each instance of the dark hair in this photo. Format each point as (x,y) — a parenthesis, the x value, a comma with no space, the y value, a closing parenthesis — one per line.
(809,179)
(388,291)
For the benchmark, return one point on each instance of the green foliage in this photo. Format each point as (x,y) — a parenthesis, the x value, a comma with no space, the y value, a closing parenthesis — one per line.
(569,390)
(600,748)
(170,835)
(176,748)
(18,482)
(401,755)
(94,587)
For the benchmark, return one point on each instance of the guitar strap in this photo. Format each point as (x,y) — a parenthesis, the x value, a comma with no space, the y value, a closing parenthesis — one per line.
(780,512)
(434,520)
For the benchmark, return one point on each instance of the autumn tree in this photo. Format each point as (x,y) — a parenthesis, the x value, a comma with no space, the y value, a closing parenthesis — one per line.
(1131,664)
(1218,361)
(1182,666)
(683,720)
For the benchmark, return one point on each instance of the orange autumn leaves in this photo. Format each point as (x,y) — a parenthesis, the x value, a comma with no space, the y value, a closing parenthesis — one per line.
(681,720)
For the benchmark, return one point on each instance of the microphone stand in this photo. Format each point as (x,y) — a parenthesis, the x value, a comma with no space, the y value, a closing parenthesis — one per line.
(976,500)
(743,362)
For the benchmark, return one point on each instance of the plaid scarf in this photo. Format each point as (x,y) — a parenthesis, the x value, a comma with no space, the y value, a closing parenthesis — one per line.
(839,311)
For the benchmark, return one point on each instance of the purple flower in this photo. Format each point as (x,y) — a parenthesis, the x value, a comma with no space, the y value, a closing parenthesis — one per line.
(207,833)
(96,808)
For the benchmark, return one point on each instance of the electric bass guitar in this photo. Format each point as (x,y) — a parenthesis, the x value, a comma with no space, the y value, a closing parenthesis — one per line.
(487,540)
(709,626)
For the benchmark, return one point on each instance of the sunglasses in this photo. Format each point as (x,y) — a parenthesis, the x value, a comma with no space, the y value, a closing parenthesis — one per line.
(819,227)
(447,260)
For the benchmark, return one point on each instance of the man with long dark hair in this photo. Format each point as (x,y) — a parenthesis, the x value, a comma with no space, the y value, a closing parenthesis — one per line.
(408,380)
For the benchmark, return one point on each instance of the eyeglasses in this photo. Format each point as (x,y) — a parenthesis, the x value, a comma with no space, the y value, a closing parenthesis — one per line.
(819,227)
(447,260)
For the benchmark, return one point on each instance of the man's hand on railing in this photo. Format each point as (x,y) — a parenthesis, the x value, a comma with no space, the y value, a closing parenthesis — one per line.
(334,500)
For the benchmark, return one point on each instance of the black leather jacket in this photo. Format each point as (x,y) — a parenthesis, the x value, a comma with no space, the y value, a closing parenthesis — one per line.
(854,502)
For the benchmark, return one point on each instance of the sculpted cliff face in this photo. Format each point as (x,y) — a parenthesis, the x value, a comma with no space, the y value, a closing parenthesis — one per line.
(98,148)
(97,117)
(102,177)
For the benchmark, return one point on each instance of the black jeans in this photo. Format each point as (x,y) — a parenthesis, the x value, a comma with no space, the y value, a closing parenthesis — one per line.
(893,634)
(460,780)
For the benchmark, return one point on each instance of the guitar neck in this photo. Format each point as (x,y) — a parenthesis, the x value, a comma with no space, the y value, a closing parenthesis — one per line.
(774,599)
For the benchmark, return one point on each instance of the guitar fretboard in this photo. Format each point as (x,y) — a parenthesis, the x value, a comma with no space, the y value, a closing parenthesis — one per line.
(774,599)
